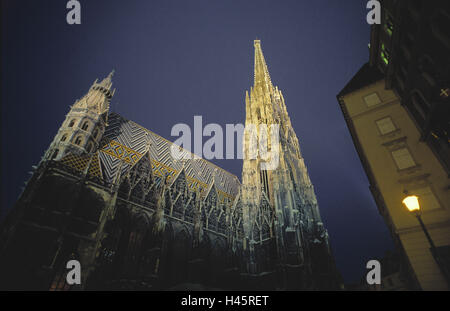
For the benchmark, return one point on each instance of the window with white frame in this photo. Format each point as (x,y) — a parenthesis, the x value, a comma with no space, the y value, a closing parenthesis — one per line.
(403,158)
(385,125)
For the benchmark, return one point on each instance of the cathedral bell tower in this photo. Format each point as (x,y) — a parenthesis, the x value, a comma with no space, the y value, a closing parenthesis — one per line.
(281,197)
(85,123)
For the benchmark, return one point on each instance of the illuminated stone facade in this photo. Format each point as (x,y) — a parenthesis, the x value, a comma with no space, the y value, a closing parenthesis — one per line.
(109,194)
(284,218)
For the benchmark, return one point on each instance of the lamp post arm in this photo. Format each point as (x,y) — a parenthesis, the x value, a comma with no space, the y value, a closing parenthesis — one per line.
(426,232)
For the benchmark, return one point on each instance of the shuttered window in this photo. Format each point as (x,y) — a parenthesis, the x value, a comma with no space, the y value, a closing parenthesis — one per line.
(403,158)
(385,125)
(372,100)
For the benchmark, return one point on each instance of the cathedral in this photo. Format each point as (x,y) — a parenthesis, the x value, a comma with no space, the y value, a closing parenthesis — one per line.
(109,194)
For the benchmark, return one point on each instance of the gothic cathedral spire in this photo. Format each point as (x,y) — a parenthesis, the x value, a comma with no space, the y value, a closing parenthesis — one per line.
(262,77)
(280,198)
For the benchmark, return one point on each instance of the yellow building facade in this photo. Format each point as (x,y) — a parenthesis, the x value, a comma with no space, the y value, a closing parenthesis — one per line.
(397,164)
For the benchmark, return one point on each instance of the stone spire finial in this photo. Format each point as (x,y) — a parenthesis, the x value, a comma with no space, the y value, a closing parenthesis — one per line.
(107,82)
(262,77)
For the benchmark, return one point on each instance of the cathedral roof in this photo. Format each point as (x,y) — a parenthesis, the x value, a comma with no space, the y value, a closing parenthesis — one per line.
(79,162)
(126,142)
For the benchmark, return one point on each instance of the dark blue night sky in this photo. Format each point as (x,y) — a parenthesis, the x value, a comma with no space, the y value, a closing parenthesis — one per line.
(177,59)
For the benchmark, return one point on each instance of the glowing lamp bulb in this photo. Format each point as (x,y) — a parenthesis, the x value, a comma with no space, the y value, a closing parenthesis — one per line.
(412,203)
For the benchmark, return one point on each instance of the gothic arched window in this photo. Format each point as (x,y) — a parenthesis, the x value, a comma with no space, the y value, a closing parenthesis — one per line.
(85,125)
(64,137)
(72,122)
(55,154)
(78,140)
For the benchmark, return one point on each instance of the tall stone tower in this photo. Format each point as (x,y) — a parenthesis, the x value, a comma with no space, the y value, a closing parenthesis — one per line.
(276,190)
(85,123)
(61,213)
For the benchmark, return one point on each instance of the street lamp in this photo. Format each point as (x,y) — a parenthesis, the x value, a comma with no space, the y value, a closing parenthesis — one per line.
(411,202)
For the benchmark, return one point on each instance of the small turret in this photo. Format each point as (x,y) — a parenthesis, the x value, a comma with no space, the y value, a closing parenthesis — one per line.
(85,123)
